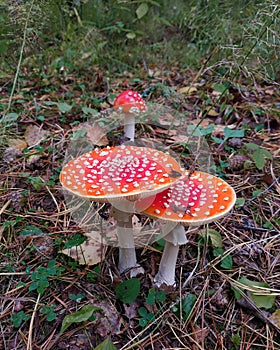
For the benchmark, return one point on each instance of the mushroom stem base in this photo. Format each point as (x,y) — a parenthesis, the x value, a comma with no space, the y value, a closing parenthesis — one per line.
(166,272)
(127,253)
(128,262)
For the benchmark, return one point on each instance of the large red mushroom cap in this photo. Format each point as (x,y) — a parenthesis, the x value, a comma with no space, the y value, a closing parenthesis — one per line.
(120,172)
(193,200)
(130,101)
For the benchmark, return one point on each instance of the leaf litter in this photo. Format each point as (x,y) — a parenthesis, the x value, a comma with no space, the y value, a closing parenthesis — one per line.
(250,234)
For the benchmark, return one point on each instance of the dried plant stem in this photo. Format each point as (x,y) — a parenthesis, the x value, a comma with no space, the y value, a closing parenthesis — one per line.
(29,342)
(19,60)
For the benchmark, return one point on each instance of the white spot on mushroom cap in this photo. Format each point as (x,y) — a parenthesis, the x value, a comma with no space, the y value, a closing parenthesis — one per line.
(112,165)
(189,201)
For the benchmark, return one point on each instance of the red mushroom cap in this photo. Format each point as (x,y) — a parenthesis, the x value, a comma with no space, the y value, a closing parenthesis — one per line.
(130,101)
(120,172)
(193,200)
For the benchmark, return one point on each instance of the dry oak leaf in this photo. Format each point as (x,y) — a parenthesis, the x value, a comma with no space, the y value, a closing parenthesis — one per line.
(91,252)
(34,135)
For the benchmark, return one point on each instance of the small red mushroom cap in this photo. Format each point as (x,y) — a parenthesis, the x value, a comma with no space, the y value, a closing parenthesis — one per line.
(130,101)
(120,172)
(193,200)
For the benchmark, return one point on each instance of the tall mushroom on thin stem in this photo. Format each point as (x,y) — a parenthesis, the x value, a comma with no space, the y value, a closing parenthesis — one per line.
(120,175)
(195,199)
(130,103)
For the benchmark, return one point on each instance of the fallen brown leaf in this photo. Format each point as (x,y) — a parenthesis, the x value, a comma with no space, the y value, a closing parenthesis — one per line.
(275,318)
(213,113)
(269,92)
(94,133)
(17,144)
(91,252)
(187,90)
(34,135)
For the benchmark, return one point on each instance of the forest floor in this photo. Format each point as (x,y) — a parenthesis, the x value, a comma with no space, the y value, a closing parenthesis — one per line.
(231,297)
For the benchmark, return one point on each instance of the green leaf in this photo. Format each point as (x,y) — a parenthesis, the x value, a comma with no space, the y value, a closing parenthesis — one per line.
(268,225)
(236,341)
(48,310)
(187,306)
(128,291)
(51,316)
(217,139)
(80,316)
(155,295)
(239,202)
(31,230)
(264,300)
(151,298)
(75,241)
(78,135)
(18,317)
(252,146)
(36,182)
(62,106)
(106,345)
(77,297)
(256,193)
(233,133)
(227,262)
(142,10)
(220,88)
(161,296)
(259,157)
(150,317)
(88,110)
(218,251)
(9,118)
(143,322)
(195,130)
(146,316)
(215,237)
(258,111)
(142,311)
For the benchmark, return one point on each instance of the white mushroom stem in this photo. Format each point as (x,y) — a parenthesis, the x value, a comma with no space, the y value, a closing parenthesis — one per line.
(129,126)
(166,272)
(127,253)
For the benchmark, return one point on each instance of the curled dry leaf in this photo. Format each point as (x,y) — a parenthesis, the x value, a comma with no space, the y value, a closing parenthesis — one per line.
(34,135)
(91,252)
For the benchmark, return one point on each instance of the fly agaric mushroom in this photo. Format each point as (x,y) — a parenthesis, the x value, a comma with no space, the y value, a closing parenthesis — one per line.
(118,174)
(196,198)
(129,103)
